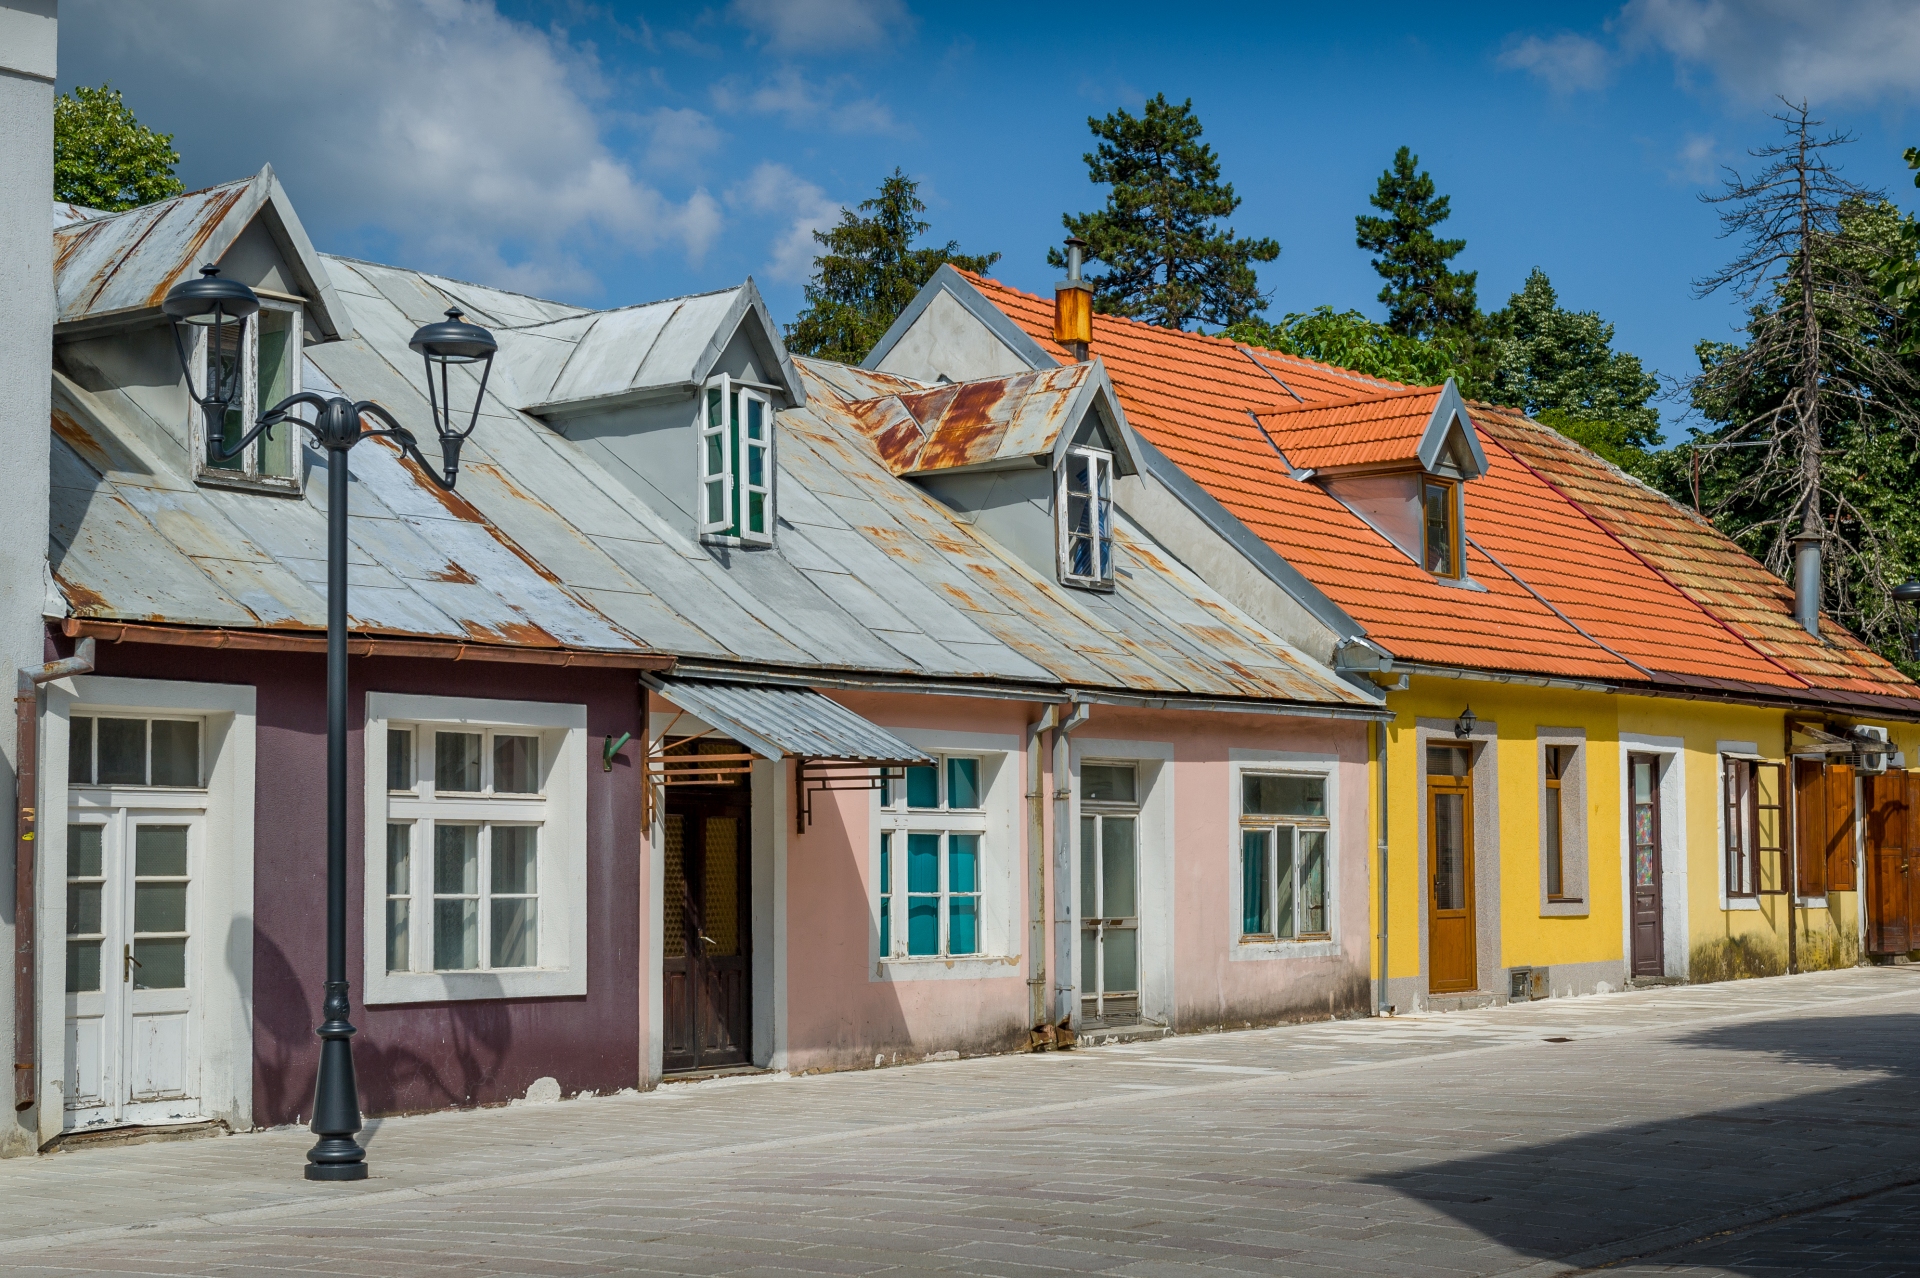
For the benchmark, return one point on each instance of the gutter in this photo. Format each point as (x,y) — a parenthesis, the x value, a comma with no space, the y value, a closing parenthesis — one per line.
(1042,1035)
(357,646)
(1063,1011)
(26,1017)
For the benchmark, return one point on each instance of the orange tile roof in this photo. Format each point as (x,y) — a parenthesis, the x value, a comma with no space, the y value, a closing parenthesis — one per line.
(1381,429)
(1586,574)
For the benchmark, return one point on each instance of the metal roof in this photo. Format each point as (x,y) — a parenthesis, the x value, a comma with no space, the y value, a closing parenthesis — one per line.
(123,264)
(774,722)
(543,546)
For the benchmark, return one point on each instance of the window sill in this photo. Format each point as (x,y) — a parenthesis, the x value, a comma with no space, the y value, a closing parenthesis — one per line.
(920,967)
(278,487)
(1740,903)
(1312,947)
(456,987)
(1458,583)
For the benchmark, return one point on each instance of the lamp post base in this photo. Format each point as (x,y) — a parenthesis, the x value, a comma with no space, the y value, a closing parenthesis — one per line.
(336,1171)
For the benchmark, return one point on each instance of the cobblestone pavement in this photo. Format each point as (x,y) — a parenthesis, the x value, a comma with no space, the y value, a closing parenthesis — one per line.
(1754,1128)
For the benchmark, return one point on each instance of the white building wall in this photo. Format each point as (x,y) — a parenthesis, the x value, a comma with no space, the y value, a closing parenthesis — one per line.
(27,43)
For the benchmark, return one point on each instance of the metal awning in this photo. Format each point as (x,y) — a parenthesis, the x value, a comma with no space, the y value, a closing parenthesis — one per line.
(777,722)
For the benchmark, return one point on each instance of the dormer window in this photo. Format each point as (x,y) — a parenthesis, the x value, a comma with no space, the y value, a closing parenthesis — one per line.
(736,461)
(1440,526)
(269,362)
(1083,511)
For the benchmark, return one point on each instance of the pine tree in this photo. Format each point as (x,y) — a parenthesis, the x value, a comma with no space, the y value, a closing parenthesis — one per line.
(1423,295)
(1560,366)
(1167,259)
(869,271)
(104,158)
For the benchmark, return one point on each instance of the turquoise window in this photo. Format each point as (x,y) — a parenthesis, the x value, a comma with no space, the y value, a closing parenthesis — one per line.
(963,783)
(1253,883)
(923,893)
(923,787)
(886,893)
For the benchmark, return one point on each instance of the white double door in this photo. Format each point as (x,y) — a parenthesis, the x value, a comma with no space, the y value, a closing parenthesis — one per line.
(131,959)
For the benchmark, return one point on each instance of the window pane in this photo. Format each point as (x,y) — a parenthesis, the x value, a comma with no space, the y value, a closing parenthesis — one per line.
(83,909)
(1253,882)
(923,863)
(1439,529)
(1089,960)
(399,939)
(276,383)
(1313,881)
(756,460)
(923,787)
(80,752)
(1089,867)
(1446,761)
(515,938)
(963,863)
(456,859)
(83,966)
(514,859)
(1449,852)
(673,893)
(160,851)
(163,964)
(756,419)
(1106,782)
(1550,841)
(456,935)
(886,892)
(123,751)
(963,783)
(456,761)
(516,764)
(160,907)
(223,355)
(716,493)
(1283,888)
(886,861)
(1284,796)
(176,752)
(83,851)
(399,758)
(923,925)
(399,859)
(886,788)
(756,512)
(1120,961)
(1117,871)
(963,925)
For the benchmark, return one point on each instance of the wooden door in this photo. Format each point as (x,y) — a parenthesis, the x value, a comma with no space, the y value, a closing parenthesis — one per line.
(1643,817)
(1889,905)
(1451,965)
(707,952)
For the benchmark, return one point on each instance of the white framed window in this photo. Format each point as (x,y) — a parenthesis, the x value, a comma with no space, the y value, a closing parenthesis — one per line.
(476,848)
(735,428)
(269,361)
(1083,514)
(111,750)
(1285,856)
(932,858)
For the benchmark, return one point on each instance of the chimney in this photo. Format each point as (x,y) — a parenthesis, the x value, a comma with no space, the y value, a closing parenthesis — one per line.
(1073,304)
(1806,581)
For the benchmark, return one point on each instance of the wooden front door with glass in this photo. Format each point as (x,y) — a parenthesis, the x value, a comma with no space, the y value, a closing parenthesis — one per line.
(706,909)
(1451,963)
(135,831)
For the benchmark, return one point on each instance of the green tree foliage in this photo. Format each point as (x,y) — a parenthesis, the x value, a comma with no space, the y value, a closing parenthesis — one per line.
(1867,383)
(1348,339)
(1168,260)
(1423,295)
(1560,366)
(868,271)
(103,158)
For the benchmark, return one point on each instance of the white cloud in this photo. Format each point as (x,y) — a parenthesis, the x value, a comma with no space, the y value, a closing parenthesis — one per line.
(822,25)
(467,139)
(1564,62)
(803,102)
(777,189)
(1837,50)
(1697,159)
(680,138)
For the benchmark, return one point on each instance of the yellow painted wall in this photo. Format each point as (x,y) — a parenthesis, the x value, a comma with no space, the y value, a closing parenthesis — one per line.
(1518,712)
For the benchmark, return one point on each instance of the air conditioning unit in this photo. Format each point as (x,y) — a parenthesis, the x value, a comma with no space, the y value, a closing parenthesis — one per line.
(1519,984)
(1870,761)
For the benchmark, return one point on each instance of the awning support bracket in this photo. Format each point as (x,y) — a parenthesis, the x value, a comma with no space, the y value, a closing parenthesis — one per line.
(817,776)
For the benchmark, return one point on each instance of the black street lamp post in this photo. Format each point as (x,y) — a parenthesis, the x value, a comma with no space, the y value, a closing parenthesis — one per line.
(223,306)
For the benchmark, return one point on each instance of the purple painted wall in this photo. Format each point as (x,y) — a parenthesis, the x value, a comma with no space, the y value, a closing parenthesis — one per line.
(421,1056)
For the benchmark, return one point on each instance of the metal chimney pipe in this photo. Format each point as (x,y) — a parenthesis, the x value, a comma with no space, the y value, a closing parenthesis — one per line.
(1806,582)
(1073,304)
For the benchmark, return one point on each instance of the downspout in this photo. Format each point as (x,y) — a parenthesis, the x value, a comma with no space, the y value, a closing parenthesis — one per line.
(1381,1005)
(1063,872)
(26,1019)
(1037,880)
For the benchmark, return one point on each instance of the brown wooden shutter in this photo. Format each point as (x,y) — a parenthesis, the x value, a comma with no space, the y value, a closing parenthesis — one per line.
(1912,859)
(1810,826)
(1841,874)
(1770,834)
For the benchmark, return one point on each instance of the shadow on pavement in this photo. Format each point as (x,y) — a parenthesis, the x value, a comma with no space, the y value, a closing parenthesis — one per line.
(1607,1187)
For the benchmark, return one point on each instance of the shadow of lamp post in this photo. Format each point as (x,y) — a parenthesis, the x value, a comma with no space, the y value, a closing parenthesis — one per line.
(221,308)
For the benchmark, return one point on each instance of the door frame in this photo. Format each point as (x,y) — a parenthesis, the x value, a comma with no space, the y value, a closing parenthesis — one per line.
(1672,755)
(222,911)
(718,801)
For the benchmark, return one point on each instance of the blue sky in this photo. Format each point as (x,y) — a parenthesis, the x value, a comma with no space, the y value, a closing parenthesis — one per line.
(613,153)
